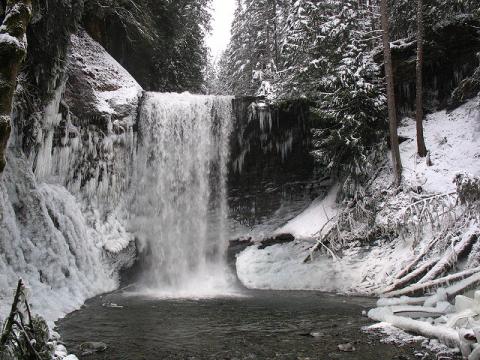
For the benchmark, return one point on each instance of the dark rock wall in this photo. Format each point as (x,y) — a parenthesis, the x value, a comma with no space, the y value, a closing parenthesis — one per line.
(44,70)
(271,162)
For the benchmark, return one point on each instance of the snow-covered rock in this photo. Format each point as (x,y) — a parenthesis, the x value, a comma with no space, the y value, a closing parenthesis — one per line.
(61,219)
(317,216)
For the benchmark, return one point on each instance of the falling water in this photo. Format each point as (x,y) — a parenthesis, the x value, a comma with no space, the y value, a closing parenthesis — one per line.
(179,203)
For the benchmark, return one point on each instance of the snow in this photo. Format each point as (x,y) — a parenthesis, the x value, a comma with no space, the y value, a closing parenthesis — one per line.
(450,328)
(445,334)
(279,267)
(6,38)
(453,140)
(113,86)
(358,271)
(392,335)
(312,220)
(367,269)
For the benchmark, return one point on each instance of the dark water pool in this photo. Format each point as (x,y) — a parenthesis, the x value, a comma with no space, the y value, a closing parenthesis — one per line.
(260,325)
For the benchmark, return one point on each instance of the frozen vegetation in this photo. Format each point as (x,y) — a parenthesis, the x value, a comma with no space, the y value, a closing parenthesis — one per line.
(425,238)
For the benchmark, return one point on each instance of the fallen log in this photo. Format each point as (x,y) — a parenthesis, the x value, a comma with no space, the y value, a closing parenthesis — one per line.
(410,277)
(449,260)
(417,311)
(404,300)
(463,286)
(446,335)
(423,287)
(320,244)
(417,259)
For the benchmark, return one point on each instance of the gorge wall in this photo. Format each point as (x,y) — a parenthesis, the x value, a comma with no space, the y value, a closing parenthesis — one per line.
(62,225)
(271,166)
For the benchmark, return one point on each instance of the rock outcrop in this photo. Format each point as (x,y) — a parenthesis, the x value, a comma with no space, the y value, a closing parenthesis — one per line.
(271,161)
(159,42)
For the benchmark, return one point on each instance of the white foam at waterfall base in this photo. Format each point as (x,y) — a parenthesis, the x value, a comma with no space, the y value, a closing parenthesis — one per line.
(178,206)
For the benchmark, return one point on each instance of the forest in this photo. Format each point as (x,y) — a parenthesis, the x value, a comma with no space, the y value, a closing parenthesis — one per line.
(310,192)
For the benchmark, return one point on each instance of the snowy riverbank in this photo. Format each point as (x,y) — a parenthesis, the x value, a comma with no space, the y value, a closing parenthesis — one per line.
(453,140)
(371,267)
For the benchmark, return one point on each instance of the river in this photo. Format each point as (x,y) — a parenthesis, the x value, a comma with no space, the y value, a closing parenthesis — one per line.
(252,325)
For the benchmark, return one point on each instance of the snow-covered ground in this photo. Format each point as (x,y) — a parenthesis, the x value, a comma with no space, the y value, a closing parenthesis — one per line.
(358,271)
(453,140)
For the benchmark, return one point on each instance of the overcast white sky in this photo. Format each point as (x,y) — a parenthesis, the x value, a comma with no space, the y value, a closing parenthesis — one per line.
(221,23)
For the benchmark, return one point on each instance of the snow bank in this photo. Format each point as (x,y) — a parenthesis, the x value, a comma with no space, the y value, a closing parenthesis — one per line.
(279,267)
(358,271)
(311,221)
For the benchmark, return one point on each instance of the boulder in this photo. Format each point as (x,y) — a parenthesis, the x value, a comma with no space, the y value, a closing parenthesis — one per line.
(89,348)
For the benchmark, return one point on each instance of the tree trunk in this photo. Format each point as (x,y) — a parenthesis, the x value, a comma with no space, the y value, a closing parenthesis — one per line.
(13,48)
(392,111)
(7,330)
(421,148)
(473,276)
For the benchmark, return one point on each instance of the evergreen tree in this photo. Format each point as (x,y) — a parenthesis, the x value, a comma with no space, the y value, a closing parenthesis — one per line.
(251,58)
(350,105)
(403,15)
(392,111)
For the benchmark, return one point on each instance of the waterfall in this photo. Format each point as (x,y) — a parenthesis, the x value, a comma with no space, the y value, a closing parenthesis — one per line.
(178,205)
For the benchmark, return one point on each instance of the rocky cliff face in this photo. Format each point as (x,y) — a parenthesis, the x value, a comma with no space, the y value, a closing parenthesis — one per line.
(61,224)
(271,167)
